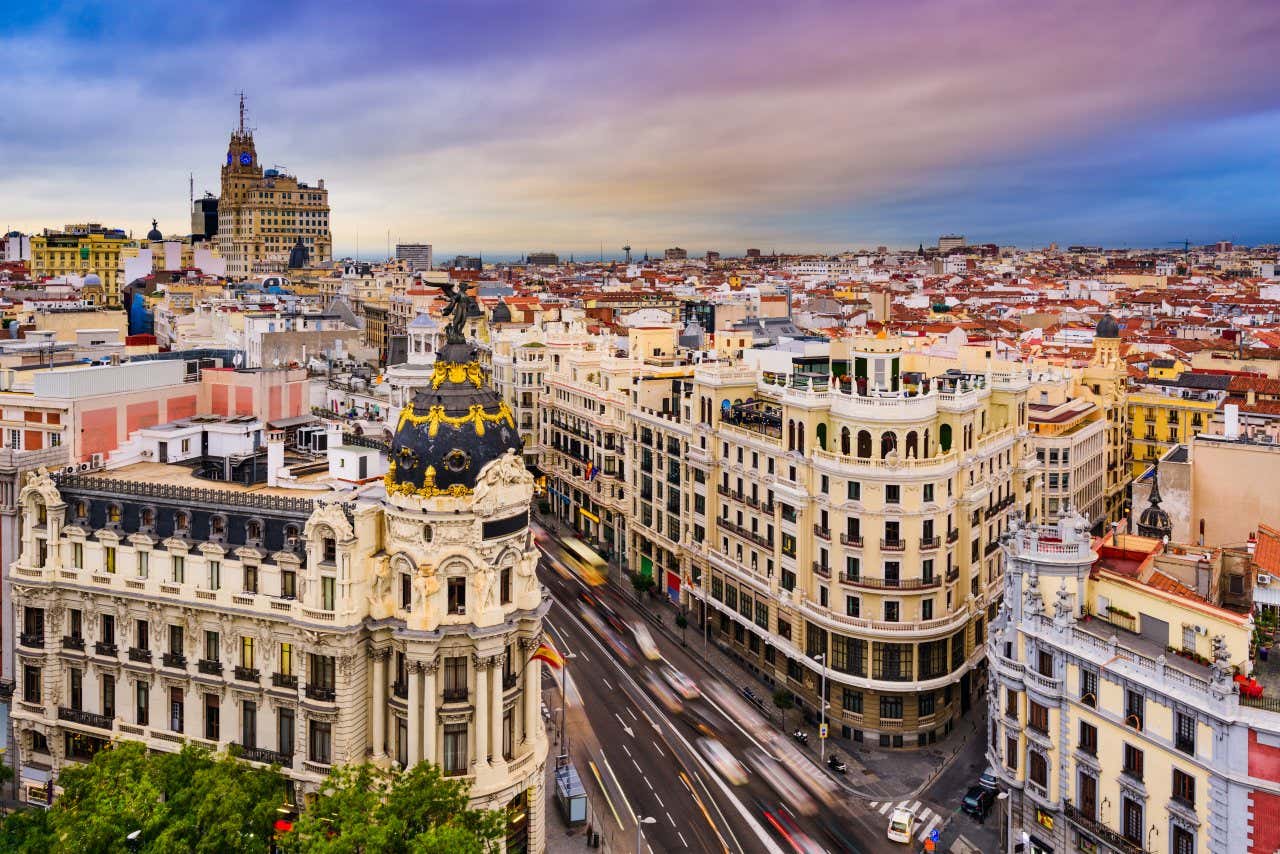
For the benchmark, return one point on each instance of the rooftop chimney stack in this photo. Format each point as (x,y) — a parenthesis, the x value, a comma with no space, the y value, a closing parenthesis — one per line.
(1231,412)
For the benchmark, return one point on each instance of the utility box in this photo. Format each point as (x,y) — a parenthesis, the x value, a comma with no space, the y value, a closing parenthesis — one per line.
(571,796)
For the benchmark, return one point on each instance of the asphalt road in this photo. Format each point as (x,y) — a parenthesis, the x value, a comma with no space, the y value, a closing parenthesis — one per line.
(638,758)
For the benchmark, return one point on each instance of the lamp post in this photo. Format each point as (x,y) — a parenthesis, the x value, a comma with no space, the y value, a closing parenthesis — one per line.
(564,685)
(641,821)
(821,658)
(1006,822)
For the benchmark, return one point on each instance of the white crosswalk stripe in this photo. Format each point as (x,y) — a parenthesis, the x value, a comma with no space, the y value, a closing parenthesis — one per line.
(885,808)
(926,819)
(934,822)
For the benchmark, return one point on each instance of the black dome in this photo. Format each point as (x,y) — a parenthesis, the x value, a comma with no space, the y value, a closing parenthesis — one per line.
(450,431)
(298,255)
(154,233)
(1154,521)
(1107,327)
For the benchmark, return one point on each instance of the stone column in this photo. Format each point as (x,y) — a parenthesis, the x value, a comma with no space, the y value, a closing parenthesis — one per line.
(495,714)
(429,669)
(415,720)
(532,690)
(482,704)
(378,660)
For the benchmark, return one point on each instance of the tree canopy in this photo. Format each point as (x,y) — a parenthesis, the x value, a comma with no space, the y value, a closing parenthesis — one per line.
(196,801)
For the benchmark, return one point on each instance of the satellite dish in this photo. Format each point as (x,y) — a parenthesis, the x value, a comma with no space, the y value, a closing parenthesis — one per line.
(237,359)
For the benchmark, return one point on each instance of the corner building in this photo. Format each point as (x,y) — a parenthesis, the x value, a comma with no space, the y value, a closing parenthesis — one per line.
(846,519)
(311,627)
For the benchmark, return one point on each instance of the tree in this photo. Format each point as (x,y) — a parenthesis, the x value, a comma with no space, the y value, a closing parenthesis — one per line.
(642,582)
(682,623)
(186,801)
(366,809)
(783,699)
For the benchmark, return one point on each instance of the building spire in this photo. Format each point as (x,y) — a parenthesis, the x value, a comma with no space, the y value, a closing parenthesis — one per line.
(242,131)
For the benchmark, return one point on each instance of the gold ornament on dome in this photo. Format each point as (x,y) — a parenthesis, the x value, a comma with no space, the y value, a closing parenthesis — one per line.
(457,373)
(428,488)
(476,416)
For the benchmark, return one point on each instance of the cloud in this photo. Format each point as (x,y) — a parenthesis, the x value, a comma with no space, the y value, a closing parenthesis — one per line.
(501,126)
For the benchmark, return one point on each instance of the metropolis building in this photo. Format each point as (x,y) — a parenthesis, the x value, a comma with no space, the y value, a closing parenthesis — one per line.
(312,622)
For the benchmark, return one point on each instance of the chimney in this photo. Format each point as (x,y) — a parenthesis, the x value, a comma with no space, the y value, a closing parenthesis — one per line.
(1231,412)
(275,456)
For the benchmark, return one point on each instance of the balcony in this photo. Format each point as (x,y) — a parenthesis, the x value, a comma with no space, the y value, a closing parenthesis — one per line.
(35,640)
(323,693)
(853,542)
(76,716)
(400,689)
(284,680)
(953,574)
(822,533)
(991,548)
(212,668)
(509,681)
(266,757)
(952,536)
(106,648)
(930,542)
(174,659)
(140,655)
(1100,831)
(745,534)
(894,583)
(821,570)
(454,695)
(247,674)
(892,545)
(72,643)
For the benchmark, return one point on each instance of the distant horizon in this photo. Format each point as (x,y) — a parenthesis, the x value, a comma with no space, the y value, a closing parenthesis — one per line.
(818,125)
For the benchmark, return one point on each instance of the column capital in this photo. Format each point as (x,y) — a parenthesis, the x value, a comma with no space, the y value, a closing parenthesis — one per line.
(430,665)
(379,653)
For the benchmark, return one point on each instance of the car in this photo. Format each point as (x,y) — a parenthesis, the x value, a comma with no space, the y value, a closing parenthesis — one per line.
(723,761)
(988,780)
(902,824)
(977,802)
(681,684)
(644,641)
(665,695)
(800,842)
(771,771)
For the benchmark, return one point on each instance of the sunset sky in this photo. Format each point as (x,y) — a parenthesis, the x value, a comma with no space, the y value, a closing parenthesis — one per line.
(500,127)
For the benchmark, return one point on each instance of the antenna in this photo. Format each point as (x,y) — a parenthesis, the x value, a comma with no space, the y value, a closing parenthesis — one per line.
(242,112)
(191,189)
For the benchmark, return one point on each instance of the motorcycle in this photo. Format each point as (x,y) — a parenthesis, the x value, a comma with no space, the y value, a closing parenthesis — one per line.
(801,736)
(835,763)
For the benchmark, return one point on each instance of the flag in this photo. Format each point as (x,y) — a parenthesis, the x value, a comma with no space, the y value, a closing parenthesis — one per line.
(546,653)
(591,471)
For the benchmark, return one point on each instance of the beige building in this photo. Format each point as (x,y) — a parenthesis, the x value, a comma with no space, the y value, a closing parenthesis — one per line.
(306,621)
(87,251)
(1068,436)
(263,214)
(852,531)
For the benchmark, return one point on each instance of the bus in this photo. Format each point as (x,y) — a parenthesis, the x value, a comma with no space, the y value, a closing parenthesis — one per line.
(593,568)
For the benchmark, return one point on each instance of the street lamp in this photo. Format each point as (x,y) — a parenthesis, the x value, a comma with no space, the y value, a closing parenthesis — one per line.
(821,658)
(641,821)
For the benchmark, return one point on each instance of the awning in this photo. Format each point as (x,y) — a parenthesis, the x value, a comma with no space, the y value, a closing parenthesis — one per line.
(296,421)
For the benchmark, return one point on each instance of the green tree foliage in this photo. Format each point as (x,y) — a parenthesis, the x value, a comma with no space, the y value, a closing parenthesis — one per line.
(641,582)
(783,699)
(366,810)
(186,801)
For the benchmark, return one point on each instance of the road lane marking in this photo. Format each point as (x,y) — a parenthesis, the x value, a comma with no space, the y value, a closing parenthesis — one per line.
(628,752)
(605,791)
(606,683)
(670,819)
(682,842)
(638,769)
(659,749)
(632,712)
(705,814)
(659,798)
(616,782)
(647,783)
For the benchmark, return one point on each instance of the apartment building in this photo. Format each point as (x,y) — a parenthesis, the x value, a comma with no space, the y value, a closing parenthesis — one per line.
(308,622)
(852,532)
(1068,436)
(520,361)
(1165,414)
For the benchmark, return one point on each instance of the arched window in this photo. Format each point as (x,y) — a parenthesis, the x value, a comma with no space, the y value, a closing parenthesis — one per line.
(181,521)
(845,439)
(888,443)
(217,525)
(791,435)
(926,443)
(864,444)
(113,513)
(944,437)
(253,530)
(800,436)
(822,436)
(913,447)
(1037,768)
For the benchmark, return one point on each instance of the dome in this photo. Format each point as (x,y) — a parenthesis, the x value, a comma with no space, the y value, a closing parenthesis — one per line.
(1154,521)
(501,314)
(92,279)
(154,233)
(450,430)
(1107,327)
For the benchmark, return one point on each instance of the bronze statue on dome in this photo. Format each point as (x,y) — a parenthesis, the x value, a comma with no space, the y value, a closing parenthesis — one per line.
(461,305)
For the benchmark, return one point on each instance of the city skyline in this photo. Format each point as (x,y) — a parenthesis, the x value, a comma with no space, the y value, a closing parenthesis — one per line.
(499,130)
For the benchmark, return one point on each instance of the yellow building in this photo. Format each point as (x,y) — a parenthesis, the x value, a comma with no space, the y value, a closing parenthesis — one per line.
(1111,698)
(1164,414)
(86,250)
(264,213)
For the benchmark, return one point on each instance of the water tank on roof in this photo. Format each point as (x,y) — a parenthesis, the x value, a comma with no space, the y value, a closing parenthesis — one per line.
(271,173)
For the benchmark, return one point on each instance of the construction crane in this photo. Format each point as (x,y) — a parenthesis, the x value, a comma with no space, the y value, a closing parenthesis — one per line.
(1186,251)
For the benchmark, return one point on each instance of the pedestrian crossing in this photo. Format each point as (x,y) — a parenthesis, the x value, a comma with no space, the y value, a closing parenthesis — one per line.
(926,819)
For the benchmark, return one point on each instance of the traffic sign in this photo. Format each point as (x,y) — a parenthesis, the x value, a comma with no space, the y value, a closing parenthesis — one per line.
(822,730)
(935,835)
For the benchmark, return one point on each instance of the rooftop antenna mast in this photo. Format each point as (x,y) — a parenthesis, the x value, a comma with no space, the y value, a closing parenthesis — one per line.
(242,113)
(191,189)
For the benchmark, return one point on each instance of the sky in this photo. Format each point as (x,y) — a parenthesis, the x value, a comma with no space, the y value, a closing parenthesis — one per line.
(506,126)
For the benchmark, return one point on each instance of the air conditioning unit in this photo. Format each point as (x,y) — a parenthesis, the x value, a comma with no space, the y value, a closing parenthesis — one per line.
(71,469)
(1264,578)
(86,467)
(97,460)
(1201,630)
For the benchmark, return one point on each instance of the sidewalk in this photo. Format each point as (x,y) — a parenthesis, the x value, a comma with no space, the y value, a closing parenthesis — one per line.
(874,773)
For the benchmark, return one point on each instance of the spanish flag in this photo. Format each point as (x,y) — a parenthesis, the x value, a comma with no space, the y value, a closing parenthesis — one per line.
(547,654)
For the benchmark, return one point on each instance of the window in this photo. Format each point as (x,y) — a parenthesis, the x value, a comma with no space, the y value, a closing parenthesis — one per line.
(1184,788)
(109,559)
(249,723)
(142,703)
(1133,709)
(1089,688)
(892,661)
(31,683)
(455,749)
(320,672)
(288,584)
(852,606)
(1044,663)
(179,569)
(1132,822)
(890,707)
(1011,753)
(1038,768)
(1037,716)
(892,493)
(286,659)
(927,704)
(457,590)
(215,575)
(1087,792)
(328,587)
(77,623)
(504,586)
(77,555)
(1088,739)
(250,578)
(108,696)
(1011,703)
(284,731)
(1133,761)
(1184,841)
(211,646)
(509,734)
(852,701)
(212,716)
(329,550)
(76,696)
(246,652)
(926,610)
(175,709)
(144,564)
(1184,733)
(319,742)
(855,490)
(928,492)
(455,678)
(892,610)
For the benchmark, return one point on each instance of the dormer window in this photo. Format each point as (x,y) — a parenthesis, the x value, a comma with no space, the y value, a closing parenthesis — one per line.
(147,518)
(217,526)
(113,514)
(253,531)
(82,509)
(181,522)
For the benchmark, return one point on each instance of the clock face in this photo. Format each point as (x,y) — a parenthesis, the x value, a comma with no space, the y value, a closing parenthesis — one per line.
(229,156)
(246,159)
